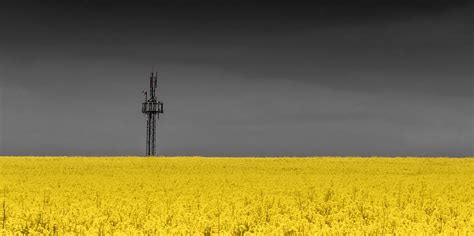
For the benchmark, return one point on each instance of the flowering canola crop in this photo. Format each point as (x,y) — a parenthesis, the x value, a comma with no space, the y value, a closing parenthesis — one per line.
(236,196)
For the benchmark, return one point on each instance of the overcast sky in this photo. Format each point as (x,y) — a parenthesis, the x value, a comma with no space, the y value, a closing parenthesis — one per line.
(333,78)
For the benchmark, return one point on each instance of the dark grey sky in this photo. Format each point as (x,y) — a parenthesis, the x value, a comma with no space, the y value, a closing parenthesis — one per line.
(331,78)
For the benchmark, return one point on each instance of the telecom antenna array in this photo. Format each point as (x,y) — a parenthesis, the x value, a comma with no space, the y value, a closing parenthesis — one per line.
(151,107)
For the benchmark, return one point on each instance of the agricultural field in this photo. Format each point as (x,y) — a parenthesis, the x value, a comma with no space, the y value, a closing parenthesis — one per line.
(236,196)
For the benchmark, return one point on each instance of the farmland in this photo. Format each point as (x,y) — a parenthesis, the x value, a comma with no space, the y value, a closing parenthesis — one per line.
(236,196)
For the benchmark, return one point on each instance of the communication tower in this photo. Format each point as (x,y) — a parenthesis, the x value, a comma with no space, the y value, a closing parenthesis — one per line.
(151,107)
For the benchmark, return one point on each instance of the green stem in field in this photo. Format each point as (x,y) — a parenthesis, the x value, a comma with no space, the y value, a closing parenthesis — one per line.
(4,218)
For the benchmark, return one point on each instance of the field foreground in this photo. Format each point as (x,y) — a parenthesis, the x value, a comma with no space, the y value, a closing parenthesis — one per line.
(236,196)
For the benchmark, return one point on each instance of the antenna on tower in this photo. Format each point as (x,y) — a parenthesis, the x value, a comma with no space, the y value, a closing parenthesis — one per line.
(151,108)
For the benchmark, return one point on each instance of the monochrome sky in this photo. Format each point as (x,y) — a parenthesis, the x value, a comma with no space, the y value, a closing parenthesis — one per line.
(358,78)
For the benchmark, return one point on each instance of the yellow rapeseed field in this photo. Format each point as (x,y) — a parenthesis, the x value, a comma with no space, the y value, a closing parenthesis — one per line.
(236,196)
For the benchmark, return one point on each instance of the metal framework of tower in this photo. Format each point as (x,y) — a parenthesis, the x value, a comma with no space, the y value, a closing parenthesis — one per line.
(151,107)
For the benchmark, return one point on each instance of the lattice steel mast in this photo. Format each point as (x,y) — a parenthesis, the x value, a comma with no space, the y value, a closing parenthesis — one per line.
(151,108)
